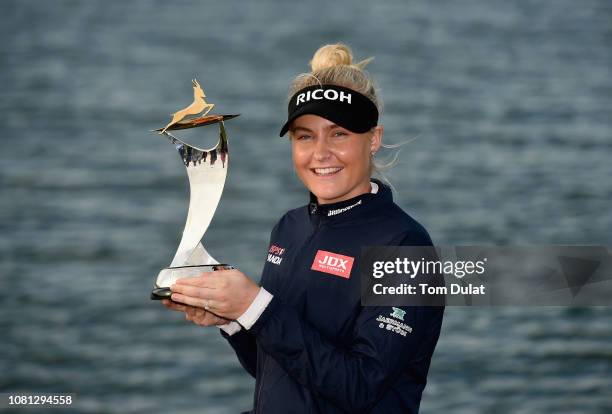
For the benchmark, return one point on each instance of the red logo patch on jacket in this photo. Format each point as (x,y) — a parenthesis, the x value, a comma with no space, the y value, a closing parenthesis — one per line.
(333,263)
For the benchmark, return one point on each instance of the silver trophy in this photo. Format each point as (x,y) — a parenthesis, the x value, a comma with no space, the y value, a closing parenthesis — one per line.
(206,170)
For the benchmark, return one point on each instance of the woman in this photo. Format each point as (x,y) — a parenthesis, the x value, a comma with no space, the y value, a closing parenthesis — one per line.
(303,334)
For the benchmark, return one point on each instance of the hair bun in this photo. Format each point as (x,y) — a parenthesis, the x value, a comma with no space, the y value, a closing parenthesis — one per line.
(331,55)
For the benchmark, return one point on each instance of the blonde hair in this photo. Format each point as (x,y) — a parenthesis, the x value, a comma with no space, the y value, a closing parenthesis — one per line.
(333,65)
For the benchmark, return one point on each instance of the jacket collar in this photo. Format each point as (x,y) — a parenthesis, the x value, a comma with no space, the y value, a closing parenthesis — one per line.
(352,208)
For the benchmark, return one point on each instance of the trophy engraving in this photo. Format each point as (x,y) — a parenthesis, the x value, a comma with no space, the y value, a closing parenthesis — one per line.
(206,171)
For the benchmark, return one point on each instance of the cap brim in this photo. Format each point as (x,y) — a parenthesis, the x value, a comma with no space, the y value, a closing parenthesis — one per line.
(302,111)
(341,118)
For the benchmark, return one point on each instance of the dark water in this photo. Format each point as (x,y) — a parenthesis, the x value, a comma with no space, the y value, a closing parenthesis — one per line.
(512,105)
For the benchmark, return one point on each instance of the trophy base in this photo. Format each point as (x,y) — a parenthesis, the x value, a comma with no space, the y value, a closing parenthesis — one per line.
(161,293)
(168,276)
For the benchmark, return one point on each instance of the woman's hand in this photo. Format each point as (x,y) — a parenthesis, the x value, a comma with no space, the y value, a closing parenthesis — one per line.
(196,315)
(227,293)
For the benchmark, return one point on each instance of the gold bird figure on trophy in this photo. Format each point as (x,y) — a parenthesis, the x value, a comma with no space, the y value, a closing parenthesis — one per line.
(198,105)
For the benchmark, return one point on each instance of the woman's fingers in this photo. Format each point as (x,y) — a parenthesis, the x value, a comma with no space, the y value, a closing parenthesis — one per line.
(195,291)
(203,318)
(198,296)
(227,293)
(192,301)
(187,300)
(209,280)
(195,280)
(174,306)
(195,314)
(179,307)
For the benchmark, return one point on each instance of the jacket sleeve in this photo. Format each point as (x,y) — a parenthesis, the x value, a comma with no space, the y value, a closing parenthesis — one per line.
(243,343)
(355,376)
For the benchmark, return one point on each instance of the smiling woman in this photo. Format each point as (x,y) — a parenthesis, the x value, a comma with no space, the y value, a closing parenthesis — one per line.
(332,162)
(303,334)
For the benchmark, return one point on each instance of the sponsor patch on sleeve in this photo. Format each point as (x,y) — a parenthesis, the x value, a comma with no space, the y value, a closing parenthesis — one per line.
(275,254)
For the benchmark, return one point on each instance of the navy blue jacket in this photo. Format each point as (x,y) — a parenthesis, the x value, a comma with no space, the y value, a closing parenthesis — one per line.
(315,349)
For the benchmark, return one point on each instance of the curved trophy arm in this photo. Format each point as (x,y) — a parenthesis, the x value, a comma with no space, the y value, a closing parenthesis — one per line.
(206,170)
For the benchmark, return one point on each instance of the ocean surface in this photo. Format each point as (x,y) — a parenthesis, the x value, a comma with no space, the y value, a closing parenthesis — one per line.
(509,108)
